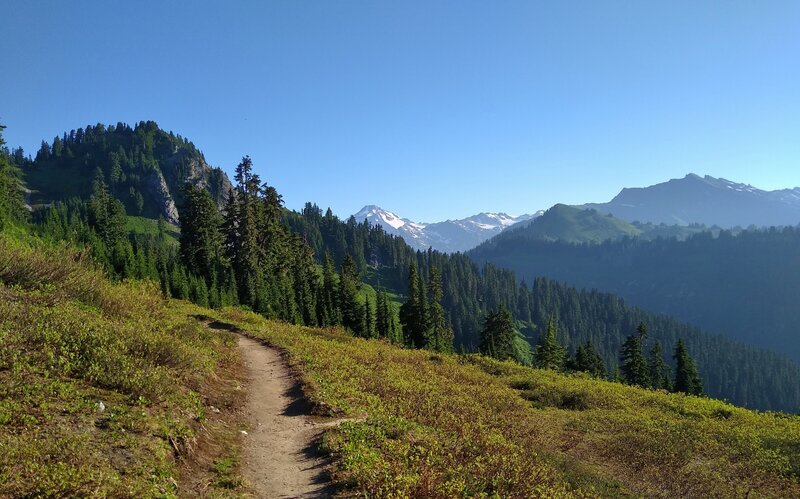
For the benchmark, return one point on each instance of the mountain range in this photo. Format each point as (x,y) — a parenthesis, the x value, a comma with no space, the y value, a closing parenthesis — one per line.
(705,200)
(449,236)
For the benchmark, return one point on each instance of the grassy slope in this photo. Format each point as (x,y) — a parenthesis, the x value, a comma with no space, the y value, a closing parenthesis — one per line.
(69,339)
(148,226)
(449,426)
(434,425)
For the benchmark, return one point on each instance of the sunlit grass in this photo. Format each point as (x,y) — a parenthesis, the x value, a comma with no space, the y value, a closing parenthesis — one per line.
(102,385)
(449,426)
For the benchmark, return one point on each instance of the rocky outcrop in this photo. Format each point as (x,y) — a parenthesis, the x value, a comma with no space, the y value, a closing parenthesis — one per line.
(156,190)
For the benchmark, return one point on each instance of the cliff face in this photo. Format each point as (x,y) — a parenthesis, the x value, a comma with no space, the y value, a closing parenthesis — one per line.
(183,168)
(145,167)
(157,196)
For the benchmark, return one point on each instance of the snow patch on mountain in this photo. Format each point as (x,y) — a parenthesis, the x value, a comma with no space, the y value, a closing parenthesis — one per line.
(449,236)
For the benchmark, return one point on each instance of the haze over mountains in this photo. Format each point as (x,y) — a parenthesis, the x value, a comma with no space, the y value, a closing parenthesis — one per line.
(448,236)
(705,200)
(742,283)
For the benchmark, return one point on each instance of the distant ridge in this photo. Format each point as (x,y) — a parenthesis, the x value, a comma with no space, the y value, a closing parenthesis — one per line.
(705,200)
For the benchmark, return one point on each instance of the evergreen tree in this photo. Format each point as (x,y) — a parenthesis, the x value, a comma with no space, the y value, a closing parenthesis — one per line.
(329,313)
(106,214)
(368,327)
(382,316)
(498,334)
(245,245)
(352,312)
(201,240)
(687,378)
(11,200)
(440,335)
(660,373)
(305,281)
(588,360)
(413,312)
(549,353)
(634,368)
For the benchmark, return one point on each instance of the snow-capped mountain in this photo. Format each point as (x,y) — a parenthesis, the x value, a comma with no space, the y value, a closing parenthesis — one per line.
(448,236)
(706,200)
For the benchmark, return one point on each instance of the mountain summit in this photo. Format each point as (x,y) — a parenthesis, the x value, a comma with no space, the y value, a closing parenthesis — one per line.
(448,236)
(706,200)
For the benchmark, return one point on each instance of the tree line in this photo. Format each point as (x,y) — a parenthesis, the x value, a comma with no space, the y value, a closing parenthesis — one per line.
(500,339)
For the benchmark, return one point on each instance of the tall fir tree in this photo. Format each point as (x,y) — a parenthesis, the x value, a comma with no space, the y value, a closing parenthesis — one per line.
(660,372)
(498,335)
(549,353)
(588,360)
(328,311)
(106,214)
(352,311)
(201,240)
(12,206)
(634,368)
(440,335)
(368,327)
(687,377)
(413,315)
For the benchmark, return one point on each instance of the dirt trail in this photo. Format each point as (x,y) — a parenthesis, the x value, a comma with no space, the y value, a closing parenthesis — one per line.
(280,460)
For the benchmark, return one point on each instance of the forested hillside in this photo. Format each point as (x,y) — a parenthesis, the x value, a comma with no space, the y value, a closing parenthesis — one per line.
(252,251)
(742,285)
(746,375)
(144,167)
(577,225)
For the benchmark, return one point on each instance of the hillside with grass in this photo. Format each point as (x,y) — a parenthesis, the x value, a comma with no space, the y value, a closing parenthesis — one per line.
(108,389)
(443,425)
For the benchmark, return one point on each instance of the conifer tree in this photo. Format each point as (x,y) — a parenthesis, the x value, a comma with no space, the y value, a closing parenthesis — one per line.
(106,214)
(497,336)
(246,250)
(329,312)
(413,312)
(11,200)
(687,378)
(588,360)
(440,335)
(352,312)
(381,316)
(549,353)
(201,240)
(368,329)
(634,368)
(660,373)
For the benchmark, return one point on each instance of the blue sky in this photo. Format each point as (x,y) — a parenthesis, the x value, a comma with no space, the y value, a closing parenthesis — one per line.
(432,109)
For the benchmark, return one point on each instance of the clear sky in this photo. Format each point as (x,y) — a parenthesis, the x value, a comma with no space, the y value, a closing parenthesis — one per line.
(432,109)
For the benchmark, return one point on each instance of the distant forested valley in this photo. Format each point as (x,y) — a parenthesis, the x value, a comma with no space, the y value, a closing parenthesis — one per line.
(744,284)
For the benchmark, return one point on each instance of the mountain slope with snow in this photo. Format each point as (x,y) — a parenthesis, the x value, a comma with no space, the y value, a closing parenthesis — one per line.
(448,236)
(705,200)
